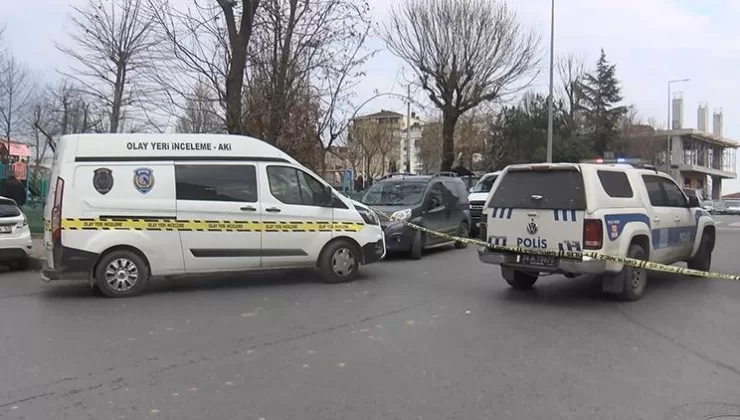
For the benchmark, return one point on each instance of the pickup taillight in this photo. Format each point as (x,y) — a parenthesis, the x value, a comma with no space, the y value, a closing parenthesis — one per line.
(593,234)
(56,212)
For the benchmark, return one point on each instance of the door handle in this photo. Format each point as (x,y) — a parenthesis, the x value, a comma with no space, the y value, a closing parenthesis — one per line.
(248,208)
(273,210)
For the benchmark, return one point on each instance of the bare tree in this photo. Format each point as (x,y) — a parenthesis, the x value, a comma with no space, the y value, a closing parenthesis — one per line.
(200,115)
(571,69)
(207,42)
(112,40)
(371,143)
(470,138)
(464,52)
(16,88)
(429,146)
(301,42)
(62,109)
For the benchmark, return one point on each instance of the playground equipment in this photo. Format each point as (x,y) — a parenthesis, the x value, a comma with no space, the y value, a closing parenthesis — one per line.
(14,159)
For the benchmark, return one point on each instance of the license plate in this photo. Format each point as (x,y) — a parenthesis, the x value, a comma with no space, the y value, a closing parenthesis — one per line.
(6,228)
(539,260)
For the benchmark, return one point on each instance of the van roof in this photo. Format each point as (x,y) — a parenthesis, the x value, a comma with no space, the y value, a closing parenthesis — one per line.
(121,147)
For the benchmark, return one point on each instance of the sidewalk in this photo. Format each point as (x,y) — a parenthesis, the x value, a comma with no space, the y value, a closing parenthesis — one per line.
(37,253)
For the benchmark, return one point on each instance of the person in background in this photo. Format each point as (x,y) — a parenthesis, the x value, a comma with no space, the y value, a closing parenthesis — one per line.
(15,189)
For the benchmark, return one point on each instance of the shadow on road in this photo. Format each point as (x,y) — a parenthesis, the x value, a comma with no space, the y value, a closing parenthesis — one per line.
(205,283)
(586,290)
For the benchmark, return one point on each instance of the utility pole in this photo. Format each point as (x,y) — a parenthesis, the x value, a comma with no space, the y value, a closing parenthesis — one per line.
(408,130)
(552,71)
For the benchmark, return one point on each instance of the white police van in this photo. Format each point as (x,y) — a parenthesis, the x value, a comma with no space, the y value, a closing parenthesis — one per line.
(125,207)
(615,209)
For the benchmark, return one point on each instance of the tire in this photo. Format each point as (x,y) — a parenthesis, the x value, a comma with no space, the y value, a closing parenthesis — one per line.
(339,262)
(121,274)
(521,280)
(702,261)
(20,264)
(417,246)
(463,231)
(634,279)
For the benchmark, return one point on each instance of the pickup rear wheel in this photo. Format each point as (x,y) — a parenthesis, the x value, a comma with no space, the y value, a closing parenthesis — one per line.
(702,261)
(519,280)
(633,278)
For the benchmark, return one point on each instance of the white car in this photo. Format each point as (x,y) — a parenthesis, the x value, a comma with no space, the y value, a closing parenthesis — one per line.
(15,236)
(610,209)
(477,198)
(732,207)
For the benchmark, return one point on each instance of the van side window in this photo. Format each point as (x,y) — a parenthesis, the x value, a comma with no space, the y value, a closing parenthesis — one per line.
(293,186)
(216,183)
(436,194)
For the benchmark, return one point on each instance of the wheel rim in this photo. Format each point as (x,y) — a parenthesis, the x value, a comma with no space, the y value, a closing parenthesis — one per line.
(343,262)
(637,278)
(121,274)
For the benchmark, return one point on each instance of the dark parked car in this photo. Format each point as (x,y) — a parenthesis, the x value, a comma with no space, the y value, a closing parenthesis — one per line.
(437,202)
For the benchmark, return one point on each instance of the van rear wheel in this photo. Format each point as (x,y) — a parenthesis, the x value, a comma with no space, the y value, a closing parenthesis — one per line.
(121,273)
(340,261)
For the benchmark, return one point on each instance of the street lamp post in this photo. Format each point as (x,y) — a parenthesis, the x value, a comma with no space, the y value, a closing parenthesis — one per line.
(552,71)
(669,125)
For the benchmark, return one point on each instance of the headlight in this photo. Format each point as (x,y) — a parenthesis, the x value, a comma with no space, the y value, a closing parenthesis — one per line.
(369,216)
(401,215)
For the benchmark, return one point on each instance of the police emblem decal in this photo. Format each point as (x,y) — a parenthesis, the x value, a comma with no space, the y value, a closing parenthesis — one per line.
(143,180)
(103,180)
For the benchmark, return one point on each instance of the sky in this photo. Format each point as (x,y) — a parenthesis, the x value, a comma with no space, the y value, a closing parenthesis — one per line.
(650,41)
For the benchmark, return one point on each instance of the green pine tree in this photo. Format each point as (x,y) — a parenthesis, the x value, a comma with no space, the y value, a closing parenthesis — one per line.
(601,93)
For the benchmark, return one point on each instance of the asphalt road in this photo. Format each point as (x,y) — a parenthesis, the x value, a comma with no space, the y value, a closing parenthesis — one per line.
(440,338)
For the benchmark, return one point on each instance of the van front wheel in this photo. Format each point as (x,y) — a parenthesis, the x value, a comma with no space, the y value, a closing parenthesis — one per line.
(121,273)
(340,262)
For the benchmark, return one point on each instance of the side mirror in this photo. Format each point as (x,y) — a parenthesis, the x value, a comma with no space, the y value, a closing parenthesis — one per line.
(693,202)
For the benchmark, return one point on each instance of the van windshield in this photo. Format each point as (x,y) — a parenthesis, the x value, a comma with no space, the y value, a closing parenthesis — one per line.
(395,193)
(484,185)
(558,189)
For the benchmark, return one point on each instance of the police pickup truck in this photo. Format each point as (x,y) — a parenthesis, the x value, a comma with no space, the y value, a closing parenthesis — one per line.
(614,209)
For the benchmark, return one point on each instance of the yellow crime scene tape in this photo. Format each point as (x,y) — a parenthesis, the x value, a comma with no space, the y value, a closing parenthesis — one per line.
(153,224)
(576,255)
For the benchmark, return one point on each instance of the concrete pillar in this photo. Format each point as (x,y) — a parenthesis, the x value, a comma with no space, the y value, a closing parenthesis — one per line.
(716,188)
(676,150)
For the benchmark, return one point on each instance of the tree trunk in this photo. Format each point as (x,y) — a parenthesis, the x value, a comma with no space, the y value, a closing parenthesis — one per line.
(449,120)
(115,114)
(280,87)
(234,86)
